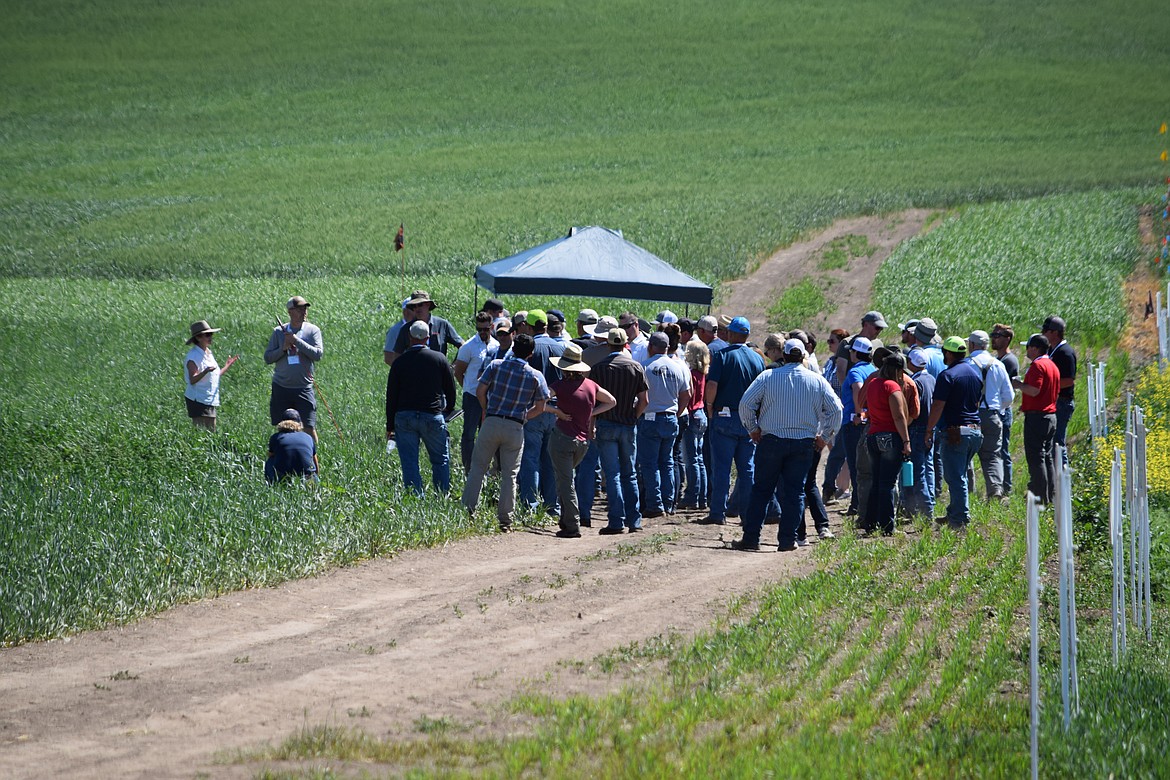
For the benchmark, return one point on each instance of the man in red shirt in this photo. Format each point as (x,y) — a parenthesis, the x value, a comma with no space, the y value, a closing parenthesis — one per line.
(1039,389)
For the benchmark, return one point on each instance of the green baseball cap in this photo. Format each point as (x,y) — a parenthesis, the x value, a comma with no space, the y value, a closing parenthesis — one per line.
(955,344)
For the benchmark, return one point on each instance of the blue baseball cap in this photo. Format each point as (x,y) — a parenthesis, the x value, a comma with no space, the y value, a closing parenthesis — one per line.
(739,325)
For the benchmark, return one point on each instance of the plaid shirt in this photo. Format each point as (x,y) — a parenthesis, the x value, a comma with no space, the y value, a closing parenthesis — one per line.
(513,387)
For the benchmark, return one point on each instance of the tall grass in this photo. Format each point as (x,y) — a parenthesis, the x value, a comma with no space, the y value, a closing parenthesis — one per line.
(157,139)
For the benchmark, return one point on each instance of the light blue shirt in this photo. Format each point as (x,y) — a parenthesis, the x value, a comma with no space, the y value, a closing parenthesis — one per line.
(666,378)
(997,387)
(935,363)
(791,402)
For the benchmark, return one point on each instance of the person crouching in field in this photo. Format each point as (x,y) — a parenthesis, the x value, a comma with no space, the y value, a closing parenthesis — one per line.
(202,375)
(291,450)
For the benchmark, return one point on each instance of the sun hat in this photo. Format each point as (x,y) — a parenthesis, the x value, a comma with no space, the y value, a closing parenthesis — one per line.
(979,339)
(420,330)
(955,344)
(1037,341)
(600,330)
(587,317)
(291,414)
(724,320)
(707,323)
(296,302)
(862,344)
(616,337)
(571,359)
(875,317)
(665,316)
(199,328)
(419,297)
(659,340)
(739,325)
(925,330)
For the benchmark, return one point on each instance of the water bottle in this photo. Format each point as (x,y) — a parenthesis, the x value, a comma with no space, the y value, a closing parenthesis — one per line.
(907,473)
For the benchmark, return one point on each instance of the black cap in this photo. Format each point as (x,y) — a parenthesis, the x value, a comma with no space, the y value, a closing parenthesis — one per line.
(1037,341)
(493,304)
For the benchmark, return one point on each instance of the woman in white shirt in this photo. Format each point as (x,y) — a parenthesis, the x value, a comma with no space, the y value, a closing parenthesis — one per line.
(202,375)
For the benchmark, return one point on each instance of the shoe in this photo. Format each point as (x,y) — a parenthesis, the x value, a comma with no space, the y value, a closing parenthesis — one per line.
(942,520)
(635,530)
(802,542)
(607,531)
(788,548)
(956,527)
(681,507)
(505,529)
(828,496)
(586,523)
(709,520)
(653,513)
(742,546)
(733,514)
(772,520)
(844,494)
(563,534)
(825,533)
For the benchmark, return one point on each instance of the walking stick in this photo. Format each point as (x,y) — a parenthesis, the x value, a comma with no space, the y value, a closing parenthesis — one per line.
(317,384)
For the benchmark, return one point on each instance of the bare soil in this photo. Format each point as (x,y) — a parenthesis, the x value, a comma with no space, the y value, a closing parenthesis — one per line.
(452,632)
(848,289)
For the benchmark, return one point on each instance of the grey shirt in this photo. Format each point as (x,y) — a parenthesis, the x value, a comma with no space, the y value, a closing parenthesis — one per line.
(309,349)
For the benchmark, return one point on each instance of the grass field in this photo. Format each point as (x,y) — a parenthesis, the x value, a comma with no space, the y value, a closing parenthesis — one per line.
(162,139)
(168,161)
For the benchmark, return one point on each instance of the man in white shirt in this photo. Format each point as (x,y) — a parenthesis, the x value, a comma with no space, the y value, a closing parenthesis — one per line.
(469,364)
(997,396)
(669,391)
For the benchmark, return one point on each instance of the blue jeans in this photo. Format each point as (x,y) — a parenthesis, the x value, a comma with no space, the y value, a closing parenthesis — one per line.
(656,461)
(615,443)
(1064,412)
(919,498)
(471,417)
(833,467)
(694,468)
(1005,449)
(885,457)
(729,443)
(430,429)
(538,480)
(956,460)
(585,482)
(850,438)
(781,467)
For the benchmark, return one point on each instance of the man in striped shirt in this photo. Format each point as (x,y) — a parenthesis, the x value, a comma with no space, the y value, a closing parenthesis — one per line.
(510,392)
(790,413)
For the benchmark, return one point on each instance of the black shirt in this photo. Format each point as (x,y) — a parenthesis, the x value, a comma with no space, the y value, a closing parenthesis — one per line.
(420,381)
(1066,362)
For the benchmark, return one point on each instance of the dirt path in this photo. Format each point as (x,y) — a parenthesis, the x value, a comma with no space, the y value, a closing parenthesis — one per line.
(849,289)
(449,632)
(442,633)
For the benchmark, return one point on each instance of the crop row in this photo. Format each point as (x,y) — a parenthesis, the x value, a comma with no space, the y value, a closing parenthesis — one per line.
(1018,262)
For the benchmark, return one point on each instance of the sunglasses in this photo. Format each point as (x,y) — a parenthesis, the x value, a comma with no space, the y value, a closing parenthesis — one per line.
(483,330)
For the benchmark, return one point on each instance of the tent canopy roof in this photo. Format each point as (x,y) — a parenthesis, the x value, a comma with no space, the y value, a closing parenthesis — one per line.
(591,262)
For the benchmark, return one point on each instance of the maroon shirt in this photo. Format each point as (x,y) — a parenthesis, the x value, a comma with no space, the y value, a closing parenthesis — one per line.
(575,397)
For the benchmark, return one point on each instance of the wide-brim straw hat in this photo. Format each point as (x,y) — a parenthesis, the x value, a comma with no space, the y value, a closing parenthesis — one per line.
(571,360)
(421,296)
(199,328)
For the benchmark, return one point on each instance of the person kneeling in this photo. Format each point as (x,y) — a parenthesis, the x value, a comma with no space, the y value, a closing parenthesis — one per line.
(291,450)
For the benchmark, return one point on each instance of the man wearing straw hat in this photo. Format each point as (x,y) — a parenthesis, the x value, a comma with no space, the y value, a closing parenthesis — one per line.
(420,308)
(578,401)
(293,349)
(420,390)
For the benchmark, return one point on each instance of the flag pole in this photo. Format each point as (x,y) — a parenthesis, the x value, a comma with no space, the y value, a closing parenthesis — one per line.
(399,243)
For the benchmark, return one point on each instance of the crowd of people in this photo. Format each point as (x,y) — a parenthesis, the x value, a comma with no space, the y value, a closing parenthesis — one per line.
(656,413)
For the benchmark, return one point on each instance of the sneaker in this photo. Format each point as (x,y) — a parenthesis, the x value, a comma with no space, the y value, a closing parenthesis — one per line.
(789,548)
(607,531)
(802,542)
(563,534)
(844,494)
(825,533)
(653,513)
(505,529)
(828,496)
(734,513)
(742,546)
(942,520)
(635,529)
(709,520)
